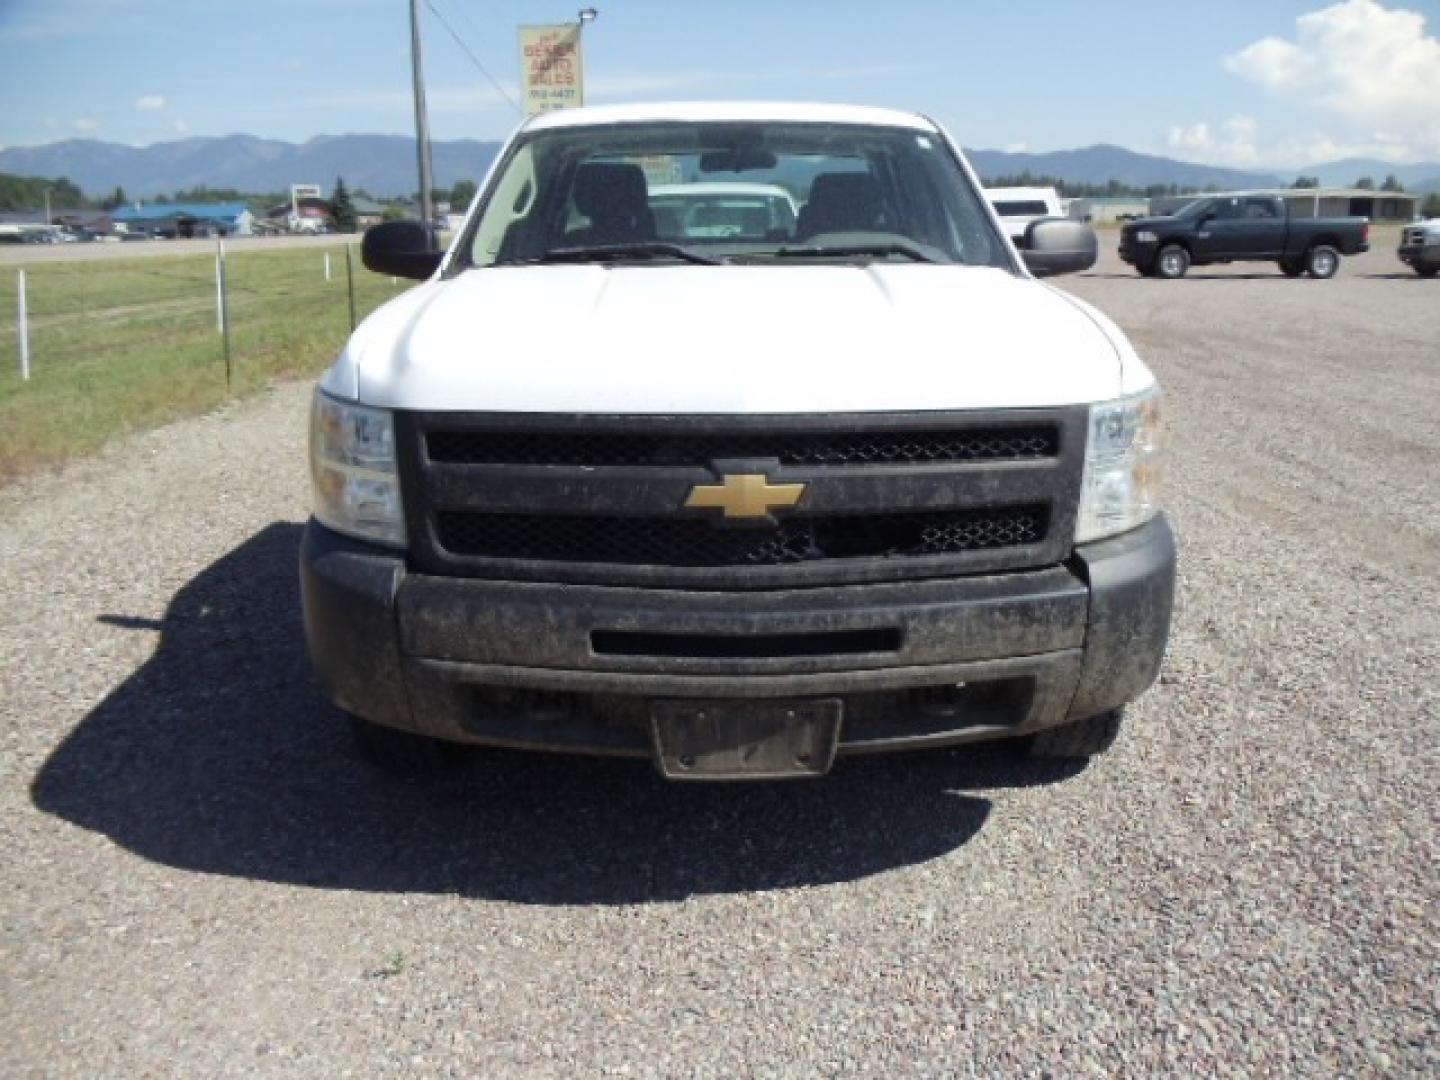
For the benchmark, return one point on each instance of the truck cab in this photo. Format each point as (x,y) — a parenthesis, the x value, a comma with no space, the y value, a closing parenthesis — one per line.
(737,502)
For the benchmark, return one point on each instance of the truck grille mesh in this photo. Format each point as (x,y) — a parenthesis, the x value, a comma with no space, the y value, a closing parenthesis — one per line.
(698,542)
(599,449)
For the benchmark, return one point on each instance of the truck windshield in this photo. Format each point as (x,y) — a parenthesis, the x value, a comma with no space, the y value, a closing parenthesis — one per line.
(730,192)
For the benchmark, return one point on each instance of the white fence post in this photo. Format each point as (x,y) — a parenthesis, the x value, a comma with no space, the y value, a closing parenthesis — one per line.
(327,266)
(23,326)
(219,286)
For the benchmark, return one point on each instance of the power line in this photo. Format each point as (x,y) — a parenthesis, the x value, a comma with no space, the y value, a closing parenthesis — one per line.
(473,58)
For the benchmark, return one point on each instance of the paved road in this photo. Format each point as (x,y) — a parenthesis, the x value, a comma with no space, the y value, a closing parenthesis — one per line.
(201,877)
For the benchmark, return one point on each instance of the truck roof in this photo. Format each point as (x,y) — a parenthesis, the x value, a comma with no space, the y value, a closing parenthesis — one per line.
(700,111)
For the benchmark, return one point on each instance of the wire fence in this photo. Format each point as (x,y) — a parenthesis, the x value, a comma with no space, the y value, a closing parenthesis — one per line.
(117,343)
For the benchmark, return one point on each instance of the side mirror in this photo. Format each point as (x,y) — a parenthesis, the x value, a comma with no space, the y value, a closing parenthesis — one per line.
(1056,246)
(401,249)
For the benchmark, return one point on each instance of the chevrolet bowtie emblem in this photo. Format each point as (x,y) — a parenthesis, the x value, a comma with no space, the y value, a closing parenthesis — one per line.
(744,495)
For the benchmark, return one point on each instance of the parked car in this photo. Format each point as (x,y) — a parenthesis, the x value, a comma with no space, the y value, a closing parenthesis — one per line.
(1019,206)
(736,505)
(1420,247)
(722,210)
(1241,228)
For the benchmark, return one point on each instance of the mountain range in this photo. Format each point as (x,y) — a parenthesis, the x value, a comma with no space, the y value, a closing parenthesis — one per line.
(384,165)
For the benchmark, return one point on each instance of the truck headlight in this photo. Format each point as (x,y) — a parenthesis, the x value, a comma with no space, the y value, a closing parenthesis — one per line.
(1145,236)
(1120,489)
(352,471)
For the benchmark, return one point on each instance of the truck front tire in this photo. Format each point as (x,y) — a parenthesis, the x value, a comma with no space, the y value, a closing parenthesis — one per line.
(1321,261)
(1172,262)
(1079,738)
(1427,271)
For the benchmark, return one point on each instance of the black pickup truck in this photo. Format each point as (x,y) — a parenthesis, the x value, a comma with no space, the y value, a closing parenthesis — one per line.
(1241,228)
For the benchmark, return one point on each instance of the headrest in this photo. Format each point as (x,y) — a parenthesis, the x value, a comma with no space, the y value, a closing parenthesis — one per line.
(612,188)
(857,193)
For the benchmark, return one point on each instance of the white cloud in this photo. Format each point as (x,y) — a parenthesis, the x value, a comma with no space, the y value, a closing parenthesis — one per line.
(150,102)
(181,126)
(1230,143)
(1240,143)
(85,125)
(1016,147)
(1372,71)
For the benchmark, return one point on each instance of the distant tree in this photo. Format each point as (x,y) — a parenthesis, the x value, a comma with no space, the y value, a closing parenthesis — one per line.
(114,200)
(393,213)
(1392,183)
(341,208)
(1365,183)
(1431,209)
(461,194)
(1306,182)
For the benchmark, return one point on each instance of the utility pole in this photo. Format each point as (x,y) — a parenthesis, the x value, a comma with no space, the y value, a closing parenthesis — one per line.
(422,126)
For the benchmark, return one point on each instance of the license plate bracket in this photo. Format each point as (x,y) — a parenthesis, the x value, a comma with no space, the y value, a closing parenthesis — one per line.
(745,740)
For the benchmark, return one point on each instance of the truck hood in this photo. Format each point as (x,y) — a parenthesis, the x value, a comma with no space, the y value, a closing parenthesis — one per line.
(1147,223)
(733,339)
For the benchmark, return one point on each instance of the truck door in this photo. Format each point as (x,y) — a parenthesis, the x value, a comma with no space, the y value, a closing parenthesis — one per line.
(1263,233)
(1217,233)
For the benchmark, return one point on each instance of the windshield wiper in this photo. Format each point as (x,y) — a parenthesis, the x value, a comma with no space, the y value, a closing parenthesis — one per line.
(889,247)
(644,250)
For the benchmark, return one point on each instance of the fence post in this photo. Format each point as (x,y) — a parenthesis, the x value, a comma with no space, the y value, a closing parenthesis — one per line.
(327,266)
(22,325)
(350,280)
(223,302)
(219,286)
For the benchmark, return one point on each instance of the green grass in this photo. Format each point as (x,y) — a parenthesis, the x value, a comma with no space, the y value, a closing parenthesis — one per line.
(121,345)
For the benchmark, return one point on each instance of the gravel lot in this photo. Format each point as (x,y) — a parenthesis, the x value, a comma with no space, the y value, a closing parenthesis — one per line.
(201,878)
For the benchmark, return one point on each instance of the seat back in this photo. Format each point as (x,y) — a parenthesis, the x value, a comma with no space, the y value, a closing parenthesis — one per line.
(616,200)
(841,202)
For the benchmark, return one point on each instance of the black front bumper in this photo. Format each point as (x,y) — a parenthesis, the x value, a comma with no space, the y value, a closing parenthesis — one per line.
(575,667)
(1424,256)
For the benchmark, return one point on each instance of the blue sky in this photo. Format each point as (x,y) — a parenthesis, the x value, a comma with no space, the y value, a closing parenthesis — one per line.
(1236,82)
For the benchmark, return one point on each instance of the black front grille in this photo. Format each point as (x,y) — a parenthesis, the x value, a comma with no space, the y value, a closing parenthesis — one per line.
(882,447)
(697,542)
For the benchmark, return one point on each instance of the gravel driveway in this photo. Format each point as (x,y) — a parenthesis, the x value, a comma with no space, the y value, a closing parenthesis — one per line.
(202,878)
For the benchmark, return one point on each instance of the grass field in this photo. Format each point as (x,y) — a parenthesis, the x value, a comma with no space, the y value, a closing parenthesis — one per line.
(127,344)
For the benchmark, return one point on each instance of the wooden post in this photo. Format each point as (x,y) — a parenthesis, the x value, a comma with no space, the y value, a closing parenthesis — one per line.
(224,306)
(350,280)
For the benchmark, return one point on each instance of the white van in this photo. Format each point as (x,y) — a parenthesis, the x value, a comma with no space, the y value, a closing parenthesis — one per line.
(1019,206)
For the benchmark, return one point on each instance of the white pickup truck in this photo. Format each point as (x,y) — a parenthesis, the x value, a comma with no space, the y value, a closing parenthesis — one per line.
(1420,247)
(735,501)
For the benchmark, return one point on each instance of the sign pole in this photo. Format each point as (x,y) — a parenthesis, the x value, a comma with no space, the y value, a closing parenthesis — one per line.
(422,125)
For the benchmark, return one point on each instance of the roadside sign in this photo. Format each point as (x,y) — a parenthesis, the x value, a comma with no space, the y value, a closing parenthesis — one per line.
(551,73)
